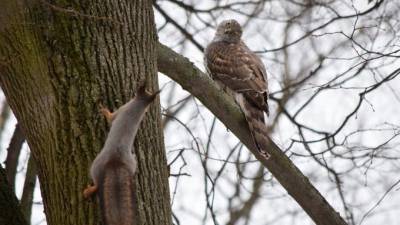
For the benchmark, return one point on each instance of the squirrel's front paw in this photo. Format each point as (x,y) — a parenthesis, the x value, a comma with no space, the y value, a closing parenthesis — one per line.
(106,113)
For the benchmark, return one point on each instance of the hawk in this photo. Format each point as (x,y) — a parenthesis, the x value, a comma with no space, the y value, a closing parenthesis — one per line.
(239,71)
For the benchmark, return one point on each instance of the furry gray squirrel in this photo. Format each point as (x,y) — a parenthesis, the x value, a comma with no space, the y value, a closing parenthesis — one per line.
(114,168)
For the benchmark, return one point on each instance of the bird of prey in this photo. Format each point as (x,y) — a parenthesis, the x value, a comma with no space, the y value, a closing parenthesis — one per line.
(241,72)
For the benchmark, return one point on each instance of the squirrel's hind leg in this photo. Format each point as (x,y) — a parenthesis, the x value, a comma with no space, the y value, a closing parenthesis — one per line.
(89,191)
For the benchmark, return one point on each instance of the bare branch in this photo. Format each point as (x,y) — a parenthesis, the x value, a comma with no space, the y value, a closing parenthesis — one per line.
(13,152)
(29,188)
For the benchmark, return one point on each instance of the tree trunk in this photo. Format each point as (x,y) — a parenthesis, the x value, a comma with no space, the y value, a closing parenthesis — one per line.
(58,61)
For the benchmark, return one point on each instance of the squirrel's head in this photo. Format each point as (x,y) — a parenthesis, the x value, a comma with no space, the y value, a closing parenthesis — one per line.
(142,94)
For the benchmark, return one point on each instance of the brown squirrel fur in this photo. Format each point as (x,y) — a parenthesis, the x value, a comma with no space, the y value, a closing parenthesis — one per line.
(114,168)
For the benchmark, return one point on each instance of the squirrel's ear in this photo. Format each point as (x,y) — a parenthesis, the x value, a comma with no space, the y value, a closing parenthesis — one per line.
(142,88)
(150,97)
(154,95)
(142,93)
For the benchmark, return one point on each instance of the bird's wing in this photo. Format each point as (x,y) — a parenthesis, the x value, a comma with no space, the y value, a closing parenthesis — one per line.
(240,70)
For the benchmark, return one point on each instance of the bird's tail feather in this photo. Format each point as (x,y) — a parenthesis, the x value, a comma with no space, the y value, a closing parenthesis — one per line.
(256,122)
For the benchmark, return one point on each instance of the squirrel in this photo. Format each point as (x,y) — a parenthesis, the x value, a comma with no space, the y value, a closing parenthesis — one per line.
(114,168)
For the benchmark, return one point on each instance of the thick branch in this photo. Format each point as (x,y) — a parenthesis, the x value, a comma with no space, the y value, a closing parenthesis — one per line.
(182,71)
(29,188)
(13,152)
(4,115)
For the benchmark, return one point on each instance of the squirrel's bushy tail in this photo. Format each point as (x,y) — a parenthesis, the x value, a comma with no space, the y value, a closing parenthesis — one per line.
(117,197)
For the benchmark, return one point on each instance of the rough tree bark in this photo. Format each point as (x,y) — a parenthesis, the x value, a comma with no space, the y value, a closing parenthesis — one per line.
(58,60)
(181,70)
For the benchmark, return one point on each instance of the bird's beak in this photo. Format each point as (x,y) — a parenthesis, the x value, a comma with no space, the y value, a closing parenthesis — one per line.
(227,30)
